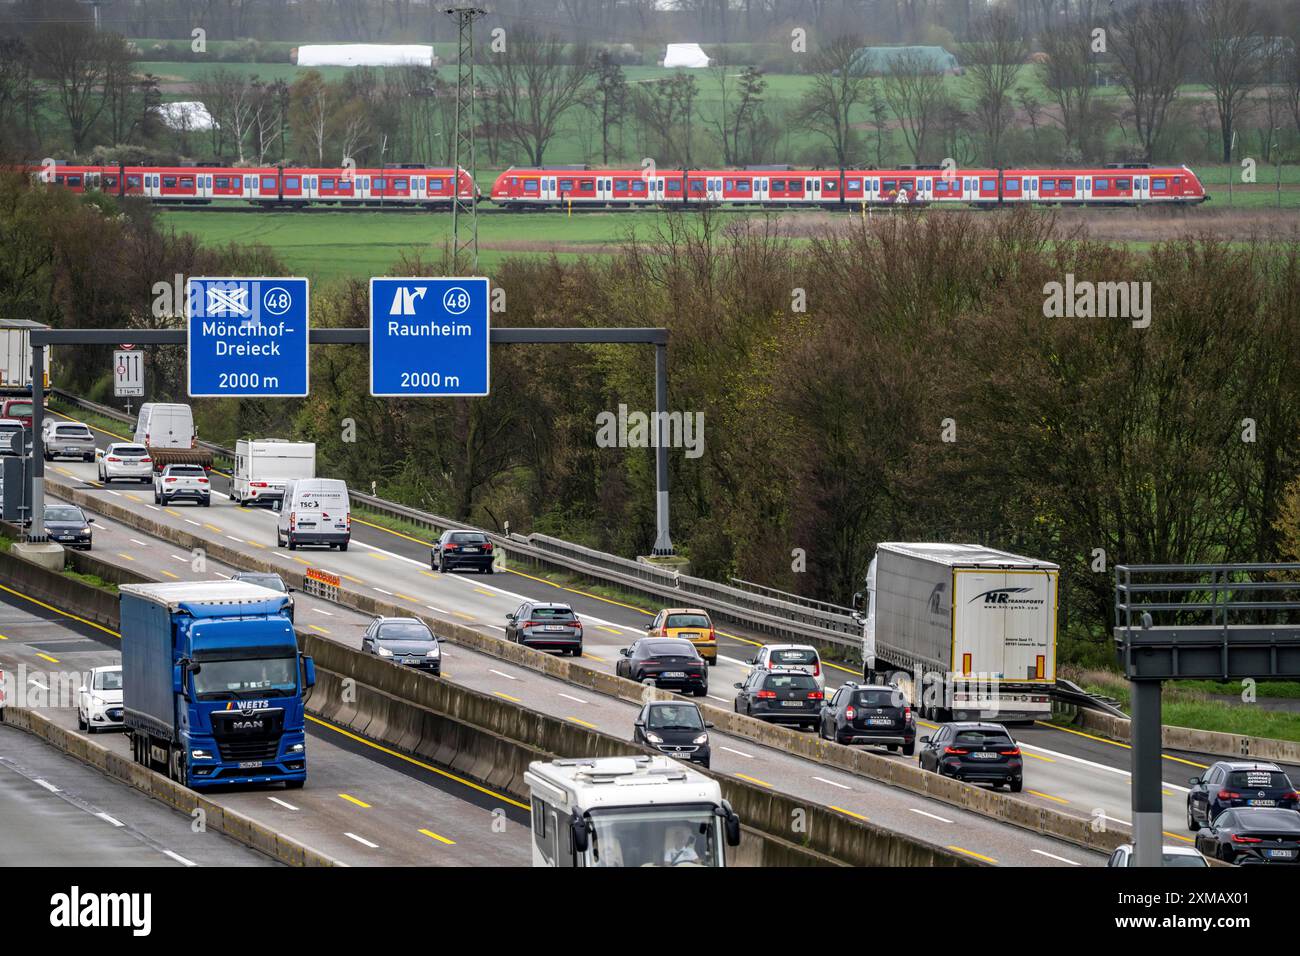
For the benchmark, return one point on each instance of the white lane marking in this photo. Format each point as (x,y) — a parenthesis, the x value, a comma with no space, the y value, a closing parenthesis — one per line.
(738,753)
(716,697)
(321,610)
(1107,816)
(382,591)
(115,494)
(47,785)
(150,507)
(287,806)
(233,538)
(572,698)
(438,609)
(501,674)
(179,859)
(832,783)
(177,557)
(497,627)
(195,523)
(733,660)
(33,680)
(107,818)
(1053,856)
(1090,763)
(139,542)
(362,840)
(932,816)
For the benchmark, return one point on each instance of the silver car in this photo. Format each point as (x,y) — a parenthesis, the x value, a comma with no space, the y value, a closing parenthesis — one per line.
(124,461)
(68,440)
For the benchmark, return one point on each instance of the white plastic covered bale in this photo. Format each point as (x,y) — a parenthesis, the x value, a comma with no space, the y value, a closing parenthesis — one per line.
(186,115)
(365,54)
(688,55)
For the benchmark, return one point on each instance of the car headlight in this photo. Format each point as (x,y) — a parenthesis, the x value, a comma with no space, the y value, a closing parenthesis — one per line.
(653,738)
(296,748)
(385,652)
(200,755)
(701,739)
(85,530)
(433,652)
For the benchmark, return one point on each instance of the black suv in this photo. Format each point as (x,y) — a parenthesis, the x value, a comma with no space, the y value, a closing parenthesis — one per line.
(1237,783)
(974,752)
(780,697)
(549,627)
(669,662)
(1252,835)
(461,549)
(869,714)
(674,728)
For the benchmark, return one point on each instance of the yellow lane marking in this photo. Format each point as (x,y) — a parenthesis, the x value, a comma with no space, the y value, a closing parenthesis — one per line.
(127,556)
(604,628)
(1179,836)
(513,700)
(429,574)
(301,561)
(377,527)
(594,597)
(352,799)
(468,617)
(212,527)
(317,627)
(417,763)
(583,723)
(1046,796)
(348,577)
(377,556)
(133,496)
(441,839)
(488,593)
(3,638)
(1026,753)
(978,856)
(47,657)
(761,783)
(170,575)
(174,514)
(256,545)
(1116,743)
(594,658)
(50,607)
(404,597)
(848,813)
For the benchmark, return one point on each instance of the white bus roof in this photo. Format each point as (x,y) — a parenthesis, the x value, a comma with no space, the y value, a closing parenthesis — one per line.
(589,783)
(962,555)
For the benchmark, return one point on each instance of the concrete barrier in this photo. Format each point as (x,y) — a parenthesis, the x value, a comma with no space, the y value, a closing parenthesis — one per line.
(120,767)
(59,590)
(1196,741)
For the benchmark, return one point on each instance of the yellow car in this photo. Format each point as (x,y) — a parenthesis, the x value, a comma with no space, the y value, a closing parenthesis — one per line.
(689,623)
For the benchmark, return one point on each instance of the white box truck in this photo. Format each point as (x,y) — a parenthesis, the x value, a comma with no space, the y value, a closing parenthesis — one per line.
(972,628)
(16,356)
(264,466)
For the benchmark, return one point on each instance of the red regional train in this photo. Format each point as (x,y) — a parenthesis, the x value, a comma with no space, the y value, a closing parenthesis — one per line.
(785,186)
(1125,184)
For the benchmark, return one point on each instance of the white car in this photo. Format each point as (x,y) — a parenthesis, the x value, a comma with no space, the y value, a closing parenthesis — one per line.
(124,461)
(791,657)
(67,440)
(99,701)
(1171,855)
(177,482)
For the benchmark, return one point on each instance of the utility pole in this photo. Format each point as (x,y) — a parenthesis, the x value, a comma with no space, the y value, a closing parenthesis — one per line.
(463,147)
(94,6)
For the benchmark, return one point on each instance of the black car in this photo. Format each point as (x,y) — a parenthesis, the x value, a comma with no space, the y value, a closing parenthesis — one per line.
(267,580)
(674,728)
(404,640)
(1252,835)
(780,697)
(461,549)
(869,714)
(546,626)
(68,524)
(974,752)
(1237,783)
(669,662)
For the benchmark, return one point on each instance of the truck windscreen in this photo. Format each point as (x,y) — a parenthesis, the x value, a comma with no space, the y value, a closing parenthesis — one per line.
(266,677)
(664,836)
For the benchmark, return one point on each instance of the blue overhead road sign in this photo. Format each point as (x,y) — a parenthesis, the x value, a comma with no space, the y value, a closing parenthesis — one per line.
(429,337)
(247,337)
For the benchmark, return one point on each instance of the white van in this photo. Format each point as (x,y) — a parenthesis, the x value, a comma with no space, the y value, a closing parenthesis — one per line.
(264,467)
(163,425)
(314,511)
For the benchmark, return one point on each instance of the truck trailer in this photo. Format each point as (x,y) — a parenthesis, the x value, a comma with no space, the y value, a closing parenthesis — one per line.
(972,628)
(628,811)
(213,683)
(16,357)
(263,467)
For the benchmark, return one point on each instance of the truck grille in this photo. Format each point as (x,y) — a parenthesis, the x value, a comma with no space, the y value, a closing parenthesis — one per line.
(248,749)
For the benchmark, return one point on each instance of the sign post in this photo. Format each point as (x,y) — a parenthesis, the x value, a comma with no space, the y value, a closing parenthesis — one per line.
(128,376)
(429,337)
(247,337)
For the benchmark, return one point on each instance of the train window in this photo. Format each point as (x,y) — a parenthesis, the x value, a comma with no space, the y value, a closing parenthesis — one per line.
(674,186)
(742,185)
(1178,180)
(132,182)
(795,186)
(988,185)
(729,184)
(1123,183)
(1013,184)
(1048,184)
(187,182)
(620,184)
(223,182)
(1100,183)
(1065,185)
(586,184)
(855,184)
(110,180)
(1158,183)
(530,185)
(268,184)
(778,184)
(941,187)
(327,182)
(830,185)
(379,182)
(74,180)
(291,182)
(697,185)
(401,183)
(566,185)
(169,182)
(435,183)
(345,185)
(638,186)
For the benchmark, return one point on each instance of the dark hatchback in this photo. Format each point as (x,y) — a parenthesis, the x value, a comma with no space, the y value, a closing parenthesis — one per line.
(673,728)
(974,752)
(461,549)
(404,640)
(270,580)
(1252,835)
(869,714)
(669,662)
(547,627)
(68,525)
(1237,783)
(780,697)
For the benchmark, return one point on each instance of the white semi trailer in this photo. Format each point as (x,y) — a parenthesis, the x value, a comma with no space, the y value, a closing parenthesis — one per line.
(973,629)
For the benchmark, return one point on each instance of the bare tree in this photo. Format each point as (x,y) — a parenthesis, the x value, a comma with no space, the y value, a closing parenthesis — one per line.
(229,96)
(537,79)
(993,62)
(914,91)
(70,55)
(309,114)
(1151,42)
(740,108)
(838,86)
(1067,74)
(608,99)
(665,109)
(1289,60)
(1232,53)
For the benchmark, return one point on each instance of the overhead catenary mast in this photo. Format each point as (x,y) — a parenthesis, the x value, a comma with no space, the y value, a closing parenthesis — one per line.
(463,146)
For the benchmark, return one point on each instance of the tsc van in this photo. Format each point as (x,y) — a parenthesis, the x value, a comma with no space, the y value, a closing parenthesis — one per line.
(314,511)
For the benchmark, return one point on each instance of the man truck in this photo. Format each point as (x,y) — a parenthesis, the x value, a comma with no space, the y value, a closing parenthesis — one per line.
(973,629)
(628,811)
(213,683)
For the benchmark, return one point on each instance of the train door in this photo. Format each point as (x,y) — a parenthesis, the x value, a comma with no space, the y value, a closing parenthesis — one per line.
(1031,188)
(713,189)
(1086,192)
(1141,188)
(658,183)
(760,188)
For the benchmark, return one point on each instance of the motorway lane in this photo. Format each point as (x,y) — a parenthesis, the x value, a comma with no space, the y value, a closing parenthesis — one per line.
(763,766)
(362,805)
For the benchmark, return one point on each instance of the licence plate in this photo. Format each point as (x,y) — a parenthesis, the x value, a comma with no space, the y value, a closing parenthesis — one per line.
(880,721)
(249,764)
(1281,854)
(690,636)
(673,674)
(791,703)
(471,550)
(556,627)
(984,755)
(1263,803)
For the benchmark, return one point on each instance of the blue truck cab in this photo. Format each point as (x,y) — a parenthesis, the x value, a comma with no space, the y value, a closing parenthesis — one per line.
(213,683)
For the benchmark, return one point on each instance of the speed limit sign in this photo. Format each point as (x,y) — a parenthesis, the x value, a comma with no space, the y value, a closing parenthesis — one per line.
(128,374)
